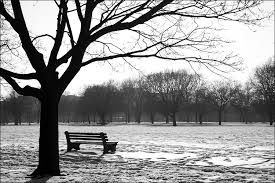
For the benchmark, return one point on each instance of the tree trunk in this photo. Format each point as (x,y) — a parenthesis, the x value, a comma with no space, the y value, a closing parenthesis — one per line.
(128,112)
(152,117)
(187,117)
(241,115)
(38,115)
(94,115)
(1,113)
(17,119)
(220,117)
(102,118)
(166,117)
(68,118)
(200,119)
(138,117)
(270,118)
(247,116)
(48,140)
(174,119)
(111,117)
(128,116)
(89,121)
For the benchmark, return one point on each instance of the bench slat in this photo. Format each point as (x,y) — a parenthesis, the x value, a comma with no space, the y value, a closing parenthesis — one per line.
(73,135)
(78,133)
(92,136)
(85,142)
(86,138)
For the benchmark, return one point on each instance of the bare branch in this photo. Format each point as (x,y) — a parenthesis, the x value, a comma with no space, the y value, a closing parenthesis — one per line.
(4,72)
(167,30)
(70,33)
(61,23)
(43,35)
(78,8)
(8,17)
(111,28)
(19,25)
(26,91)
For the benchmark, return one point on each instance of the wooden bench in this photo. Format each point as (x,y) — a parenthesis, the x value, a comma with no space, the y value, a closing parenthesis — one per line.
(74,139)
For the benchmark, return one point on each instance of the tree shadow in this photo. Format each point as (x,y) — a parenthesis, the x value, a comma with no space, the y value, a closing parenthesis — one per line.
(72,157)
(43,179)
(82,156)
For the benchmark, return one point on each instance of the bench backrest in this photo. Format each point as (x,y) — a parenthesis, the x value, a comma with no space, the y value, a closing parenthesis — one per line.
(97,137)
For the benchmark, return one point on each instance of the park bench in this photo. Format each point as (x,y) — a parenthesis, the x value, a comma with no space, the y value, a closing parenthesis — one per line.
(74,139)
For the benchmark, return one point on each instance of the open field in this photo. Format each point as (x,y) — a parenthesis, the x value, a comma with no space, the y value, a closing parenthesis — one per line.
(145,153)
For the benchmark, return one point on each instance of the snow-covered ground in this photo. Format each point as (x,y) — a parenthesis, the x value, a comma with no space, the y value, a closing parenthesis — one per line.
(228,153)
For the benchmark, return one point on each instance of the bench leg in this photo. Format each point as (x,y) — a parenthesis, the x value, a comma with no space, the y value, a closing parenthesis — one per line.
(109,147)
(71,146)
(105,149)
(113,147)
(76,146)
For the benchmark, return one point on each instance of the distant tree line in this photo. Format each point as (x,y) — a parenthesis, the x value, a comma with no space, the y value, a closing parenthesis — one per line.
(164,96)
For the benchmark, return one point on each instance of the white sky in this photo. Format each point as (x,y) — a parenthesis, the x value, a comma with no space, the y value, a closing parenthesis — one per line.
(254,45)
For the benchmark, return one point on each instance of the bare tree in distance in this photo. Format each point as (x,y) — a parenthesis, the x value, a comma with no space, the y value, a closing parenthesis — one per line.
(138,97)
(201,102)
(67,106)
(127,88)
(16,107)
(86,105)
(174,89)
(170,30)
(220,95)
(97,99)
(242,100)
(152,102)
(264,85)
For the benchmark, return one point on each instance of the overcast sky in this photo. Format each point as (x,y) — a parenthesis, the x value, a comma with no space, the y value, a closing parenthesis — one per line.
(255,45)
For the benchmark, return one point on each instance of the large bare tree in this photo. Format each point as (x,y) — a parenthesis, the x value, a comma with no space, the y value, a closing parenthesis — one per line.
(166,29)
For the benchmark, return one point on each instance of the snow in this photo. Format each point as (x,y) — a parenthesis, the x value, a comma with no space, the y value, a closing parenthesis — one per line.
(145,153)
(155,156)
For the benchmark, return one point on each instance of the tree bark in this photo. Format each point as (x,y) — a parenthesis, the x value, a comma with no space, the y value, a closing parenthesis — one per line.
(48,158)
(48,140)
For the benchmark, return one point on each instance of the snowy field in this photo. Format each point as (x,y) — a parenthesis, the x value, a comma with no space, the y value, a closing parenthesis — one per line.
(228,153)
